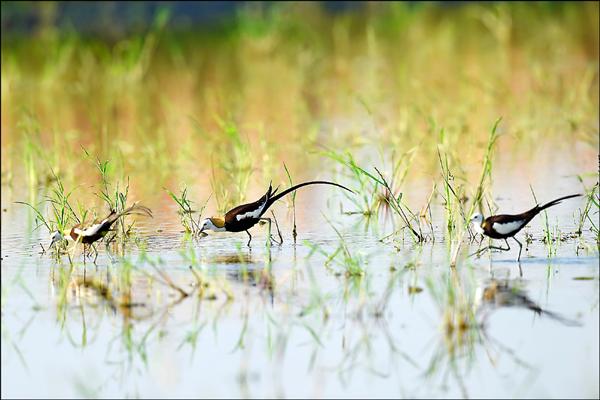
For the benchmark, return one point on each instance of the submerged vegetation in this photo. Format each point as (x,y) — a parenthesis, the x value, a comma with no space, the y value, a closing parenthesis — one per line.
(428,112)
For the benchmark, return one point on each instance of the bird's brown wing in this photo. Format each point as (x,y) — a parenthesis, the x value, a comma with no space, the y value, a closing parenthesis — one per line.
(507,218)
(250,210)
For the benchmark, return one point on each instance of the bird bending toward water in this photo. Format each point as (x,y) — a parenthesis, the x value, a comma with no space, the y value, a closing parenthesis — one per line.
(504,226)
(98,230)
(244,217)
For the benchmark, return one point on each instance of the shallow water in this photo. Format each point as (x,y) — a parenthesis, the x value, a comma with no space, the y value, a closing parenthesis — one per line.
(283,322)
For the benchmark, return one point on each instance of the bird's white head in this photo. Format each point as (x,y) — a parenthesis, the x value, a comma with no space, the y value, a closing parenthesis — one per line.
(476,221)
(55,237)
(213,224)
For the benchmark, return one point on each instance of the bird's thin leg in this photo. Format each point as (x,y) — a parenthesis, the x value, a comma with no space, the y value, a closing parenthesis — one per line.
(278,231)
(95,251)
(277,226)
(520,248)
(519,258)
(249,238)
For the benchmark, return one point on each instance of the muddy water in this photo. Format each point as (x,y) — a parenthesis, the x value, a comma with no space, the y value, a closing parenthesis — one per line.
(285,322)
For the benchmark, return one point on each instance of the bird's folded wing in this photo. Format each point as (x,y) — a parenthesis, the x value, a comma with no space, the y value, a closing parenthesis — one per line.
(90,231)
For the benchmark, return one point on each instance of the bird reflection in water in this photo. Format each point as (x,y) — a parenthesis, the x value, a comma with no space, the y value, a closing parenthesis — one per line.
(497,294)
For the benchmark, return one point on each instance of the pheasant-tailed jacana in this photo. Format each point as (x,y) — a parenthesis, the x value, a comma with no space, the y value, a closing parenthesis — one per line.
(244,217)
(505,226)
(98,230)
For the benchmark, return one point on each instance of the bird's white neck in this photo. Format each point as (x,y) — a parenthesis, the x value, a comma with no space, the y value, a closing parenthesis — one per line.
(477,228)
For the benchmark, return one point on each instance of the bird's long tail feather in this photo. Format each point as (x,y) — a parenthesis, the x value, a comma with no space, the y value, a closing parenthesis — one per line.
(557,201)
(298,186)
(136,208)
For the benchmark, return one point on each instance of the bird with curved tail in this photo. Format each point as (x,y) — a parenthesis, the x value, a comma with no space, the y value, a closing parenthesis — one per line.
(98,230)
(505,226)
(245,216)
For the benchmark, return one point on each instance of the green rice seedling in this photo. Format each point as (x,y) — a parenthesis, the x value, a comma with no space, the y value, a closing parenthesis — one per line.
(62,216)
(116,201)
(185,211)
(595,228)
(454,196)
(450,197)
(29,158)
(486,170)
(592,199)
(40,220)
(425,213)
(234,160)
(453,201)
(549,239)
(63,212)
(373,200)
(413,223)
(457,229)
(33,151)
(366,202)
(293,197)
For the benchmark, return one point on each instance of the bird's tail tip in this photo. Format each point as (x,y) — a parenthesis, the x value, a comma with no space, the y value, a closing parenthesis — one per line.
(558,201)
(139,209)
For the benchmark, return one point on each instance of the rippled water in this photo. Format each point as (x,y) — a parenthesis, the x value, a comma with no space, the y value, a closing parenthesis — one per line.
(284,322)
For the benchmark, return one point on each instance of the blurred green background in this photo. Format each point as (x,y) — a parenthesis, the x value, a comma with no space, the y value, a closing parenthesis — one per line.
(219,94)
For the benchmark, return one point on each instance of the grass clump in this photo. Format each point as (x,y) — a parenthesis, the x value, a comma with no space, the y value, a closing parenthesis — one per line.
(293,197)
(186,213)
(457,220)
(377,195)
(592,200)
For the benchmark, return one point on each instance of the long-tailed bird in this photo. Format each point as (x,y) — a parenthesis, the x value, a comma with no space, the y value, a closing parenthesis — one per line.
(504,226)
(244,217)
(98,230)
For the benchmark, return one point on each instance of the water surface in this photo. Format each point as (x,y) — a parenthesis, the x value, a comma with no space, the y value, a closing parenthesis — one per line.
(285,322)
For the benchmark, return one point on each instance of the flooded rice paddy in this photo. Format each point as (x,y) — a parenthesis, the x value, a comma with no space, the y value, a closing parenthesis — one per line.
(209,317)
(429,112)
